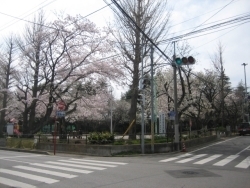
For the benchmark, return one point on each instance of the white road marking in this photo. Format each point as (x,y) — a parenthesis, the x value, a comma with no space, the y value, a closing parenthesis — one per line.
(208,159)
(174,158)
(21,156)
(13,183)
(213,145)
(244,164)
(191,158)
(59,174)
(75,165)
(62,168)
(247,148)
(105,162)
(16,161)
(87,163)
(28,176)
(226,160)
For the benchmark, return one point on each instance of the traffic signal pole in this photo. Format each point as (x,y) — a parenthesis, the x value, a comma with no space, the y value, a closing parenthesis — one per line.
(176,120)
(142,105)
(152,99)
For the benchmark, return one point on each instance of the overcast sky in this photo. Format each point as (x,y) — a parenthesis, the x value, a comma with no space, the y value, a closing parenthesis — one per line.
(187,15)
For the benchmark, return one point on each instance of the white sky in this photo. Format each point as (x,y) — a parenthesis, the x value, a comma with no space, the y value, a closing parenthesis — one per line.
(235,40)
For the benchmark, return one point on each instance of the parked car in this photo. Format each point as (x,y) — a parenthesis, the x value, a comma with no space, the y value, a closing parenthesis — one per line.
(244,128)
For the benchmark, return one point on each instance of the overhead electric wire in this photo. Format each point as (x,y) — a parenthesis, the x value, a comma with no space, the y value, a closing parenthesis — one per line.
(196,16)
(215,31)
(58,28)
(9,24)
(218,37)
(247,13)
(236,20)
(99,10)
(141,31)
(213,15)
(50,26)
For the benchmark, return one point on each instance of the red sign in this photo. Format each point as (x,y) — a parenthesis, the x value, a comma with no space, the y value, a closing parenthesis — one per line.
(61,106)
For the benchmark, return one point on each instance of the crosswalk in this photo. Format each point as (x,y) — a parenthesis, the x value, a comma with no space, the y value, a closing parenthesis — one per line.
(216,160)
(50,172)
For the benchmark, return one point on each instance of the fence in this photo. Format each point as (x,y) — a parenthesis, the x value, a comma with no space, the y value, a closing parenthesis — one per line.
(30,141)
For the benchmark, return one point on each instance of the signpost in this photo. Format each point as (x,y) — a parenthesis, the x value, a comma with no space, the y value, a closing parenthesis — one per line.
(172,115)
(162,124)
(60,113)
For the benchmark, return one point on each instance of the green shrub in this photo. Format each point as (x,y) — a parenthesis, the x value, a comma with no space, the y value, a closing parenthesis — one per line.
(119,142)
(101,138)
(221,129)
(20,143)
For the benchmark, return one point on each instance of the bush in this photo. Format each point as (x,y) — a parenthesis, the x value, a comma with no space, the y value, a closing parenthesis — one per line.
(20,143)
(221,129)
(101,138)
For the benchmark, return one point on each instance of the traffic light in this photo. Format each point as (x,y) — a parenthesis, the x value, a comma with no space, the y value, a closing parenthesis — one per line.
(145,83)
(140,99)
(184,61)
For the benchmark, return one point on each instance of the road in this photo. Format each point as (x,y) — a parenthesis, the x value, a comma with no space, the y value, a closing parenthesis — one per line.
(223,164)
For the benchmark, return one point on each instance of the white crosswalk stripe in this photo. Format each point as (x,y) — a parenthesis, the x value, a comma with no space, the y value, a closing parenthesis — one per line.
(191,158)
(59,174)
(105,162)
(75,165)
(13,183)
(205,158)
(226,160)
(95,164)
(203,161)
(244,164)
(51,168)
(174,158)
(63,168)
(28,176)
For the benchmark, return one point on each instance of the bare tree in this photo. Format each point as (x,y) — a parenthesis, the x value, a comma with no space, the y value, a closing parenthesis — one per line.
(7,74)
(152,17)
(218,63)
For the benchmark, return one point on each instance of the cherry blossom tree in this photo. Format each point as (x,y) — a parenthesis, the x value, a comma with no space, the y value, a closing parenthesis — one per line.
(64,61)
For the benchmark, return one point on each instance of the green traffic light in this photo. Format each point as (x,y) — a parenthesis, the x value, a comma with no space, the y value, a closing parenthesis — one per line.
(178,61)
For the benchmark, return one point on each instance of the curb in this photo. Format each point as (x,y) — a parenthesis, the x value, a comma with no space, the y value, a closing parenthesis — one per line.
(25,150)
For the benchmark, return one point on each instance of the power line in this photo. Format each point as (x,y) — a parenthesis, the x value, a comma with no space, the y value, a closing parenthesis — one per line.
(141,31)
(236,20)
(213,15)
(9,24)
(215,31)
(50,26)
(218,36)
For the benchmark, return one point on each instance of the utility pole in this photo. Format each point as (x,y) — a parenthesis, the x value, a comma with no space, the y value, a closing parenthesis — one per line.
(245,96)
(176,121)
(152,99)
(111,111)
(143,104)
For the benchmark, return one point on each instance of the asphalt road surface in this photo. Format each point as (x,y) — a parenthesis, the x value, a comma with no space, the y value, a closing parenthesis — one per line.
(222,164)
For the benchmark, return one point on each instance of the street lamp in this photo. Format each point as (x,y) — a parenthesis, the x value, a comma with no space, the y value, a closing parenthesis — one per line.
(245,96)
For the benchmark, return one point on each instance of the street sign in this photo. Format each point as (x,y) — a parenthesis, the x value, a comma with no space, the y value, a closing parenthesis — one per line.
(172,115)
(162,125)
(60,114)
(61,106)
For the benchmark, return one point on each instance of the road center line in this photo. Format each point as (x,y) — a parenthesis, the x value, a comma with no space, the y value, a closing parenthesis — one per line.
(213,145)
(247,148)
